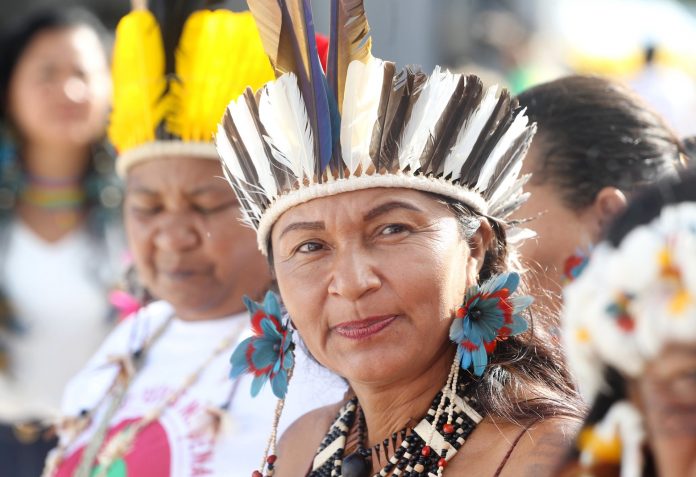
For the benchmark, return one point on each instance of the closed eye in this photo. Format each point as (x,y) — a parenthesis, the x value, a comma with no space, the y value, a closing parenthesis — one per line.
(146,211)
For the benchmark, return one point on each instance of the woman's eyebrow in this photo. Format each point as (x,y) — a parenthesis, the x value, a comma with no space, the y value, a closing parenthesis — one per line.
(386,207)
(302,226)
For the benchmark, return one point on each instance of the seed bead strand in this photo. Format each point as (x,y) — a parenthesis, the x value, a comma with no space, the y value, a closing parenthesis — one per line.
(119,444)
(269,455)
(120,384)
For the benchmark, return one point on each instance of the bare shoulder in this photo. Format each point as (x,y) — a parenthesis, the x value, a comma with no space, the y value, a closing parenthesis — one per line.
(300,441)
(540,448)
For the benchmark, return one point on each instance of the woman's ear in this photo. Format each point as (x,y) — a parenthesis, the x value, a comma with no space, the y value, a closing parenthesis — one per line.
(479,243)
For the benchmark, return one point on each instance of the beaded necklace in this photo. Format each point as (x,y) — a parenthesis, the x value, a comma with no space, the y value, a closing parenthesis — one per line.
(425,449)
(55,195)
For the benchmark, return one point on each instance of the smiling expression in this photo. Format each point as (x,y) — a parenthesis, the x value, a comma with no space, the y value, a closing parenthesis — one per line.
(370,279)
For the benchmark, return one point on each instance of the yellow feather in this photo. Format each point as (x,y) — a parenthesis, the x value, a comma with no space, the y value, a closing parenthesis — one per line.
(220,54)
(139,83)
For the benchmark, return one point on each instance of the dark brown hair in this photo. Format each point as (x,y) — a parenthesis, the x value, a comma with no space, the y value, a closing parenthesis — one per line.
(595,133)
(530,364)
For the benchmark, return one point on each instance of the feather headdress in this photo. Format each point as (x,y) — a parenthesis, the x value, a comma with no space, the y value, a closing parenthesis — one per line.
(175,69)
(363,124)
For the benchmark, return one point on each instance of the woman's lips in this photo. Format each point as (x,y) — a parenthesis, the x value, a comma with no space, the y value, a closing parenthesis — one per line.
(361,329)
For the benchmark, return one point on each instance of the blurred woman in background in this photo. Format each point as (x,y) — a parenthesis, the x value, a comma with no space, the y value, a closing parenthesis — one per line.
(59,237)
(630,331)
(597,143)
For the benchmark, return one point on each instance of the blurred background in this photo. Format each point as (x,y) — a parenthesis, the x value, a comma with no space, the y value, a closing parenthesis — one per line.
(648,43)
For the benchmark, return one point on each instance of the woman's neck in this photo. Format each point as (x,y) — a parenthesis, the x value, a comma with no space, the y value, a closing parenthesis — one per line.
(55,163)
(392,407)
(52,202)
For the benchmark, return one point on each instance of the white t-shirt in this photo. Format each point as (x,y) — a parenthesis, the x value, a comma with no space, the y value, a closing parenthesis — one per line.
(64,311)
(170,447)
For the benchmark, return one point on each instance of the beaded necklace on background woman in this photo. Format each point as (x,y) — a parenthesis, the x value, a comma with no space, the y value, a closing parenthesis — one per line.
(60,236)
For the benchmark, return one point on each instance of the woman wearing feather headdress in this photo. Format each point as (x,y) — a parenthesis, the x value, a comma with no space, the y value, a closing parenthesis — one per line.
(156,399)
(629,324)
(380,199)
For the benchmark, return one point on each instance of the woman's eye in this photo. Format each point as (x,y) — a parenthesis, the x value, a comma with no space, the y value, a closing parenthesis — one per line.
(146,211)
(207,210)
(392,229)
(309,247)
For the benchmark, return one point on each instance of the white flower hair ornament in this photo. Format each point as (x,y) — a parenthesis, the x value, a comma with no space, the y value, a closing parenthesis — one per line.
(630,302)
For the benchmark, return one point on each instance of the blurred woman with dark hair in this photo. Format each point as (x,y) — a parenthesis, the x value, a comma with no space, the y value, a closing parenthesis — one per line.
(60,241)
(597,143)
(630,331)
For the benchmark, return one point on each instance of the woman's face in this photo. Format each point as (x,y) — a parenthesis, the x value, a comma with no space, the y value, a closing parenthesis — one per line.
(189,246)
(60,88)
(667,393)
(371,278)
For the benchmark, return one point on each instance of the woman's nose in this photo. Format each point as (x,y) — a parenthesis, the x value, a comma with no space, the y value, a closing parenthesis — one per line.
(177,236)
(353,275)
(76,89)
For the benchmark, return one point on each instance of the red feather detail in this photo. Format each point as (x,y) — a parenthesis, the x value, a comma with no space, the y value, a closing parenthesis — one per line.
(468,345)
(626,323)
(322,49)
(503,304)
(256,322)
(490,346)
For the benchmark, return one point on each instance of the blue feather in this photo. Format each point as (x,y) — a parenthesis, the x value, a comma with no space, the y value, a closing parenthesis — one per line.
(332,62)
(322,119)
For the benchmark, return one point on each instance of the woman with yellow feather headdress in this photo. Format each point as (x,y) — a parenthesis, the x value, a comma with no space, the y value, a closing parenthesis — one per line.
(156,400)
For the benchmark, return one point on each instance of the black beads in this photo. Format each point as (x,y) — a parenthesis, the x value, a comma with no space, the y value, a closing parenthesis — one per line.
(355,465)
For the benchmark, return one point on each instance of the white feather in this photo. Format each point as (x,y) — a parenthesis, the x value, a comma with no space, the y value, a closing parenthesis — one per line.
(284,116)
(255,210)
(470,133)
(509,186)
(244,122)
(226,152)
(519,124)
(424,117)
(361,99)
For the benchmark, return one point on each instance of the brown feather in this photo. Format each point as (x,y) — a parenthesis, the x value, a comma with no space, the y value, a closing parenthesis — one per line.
(354,42)
(406,88)
(297,18)
(282,175)
(245,161)
(468,101)
(378,131)
(444,133)
(274,34)
(495,127)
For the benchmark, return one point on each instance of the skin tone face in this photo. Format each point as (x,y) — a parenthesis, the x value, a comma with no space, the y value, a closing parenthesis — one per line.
(667,396)
(370,279)
(190,248)
(60,88)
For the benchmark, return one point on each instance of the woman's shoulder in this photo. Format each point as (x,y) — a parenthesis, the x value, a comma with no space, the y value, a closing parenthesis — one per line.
(300,441)
(509,449)
(541,448)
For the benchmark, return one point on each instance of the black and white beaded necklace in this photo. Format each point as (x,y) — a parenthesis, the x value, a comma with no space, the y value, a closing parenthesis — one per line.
(424,451)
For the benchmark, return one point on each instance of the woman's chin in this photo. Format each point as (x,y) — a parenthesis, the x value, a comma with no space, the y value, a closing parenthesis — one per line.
(371,365)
